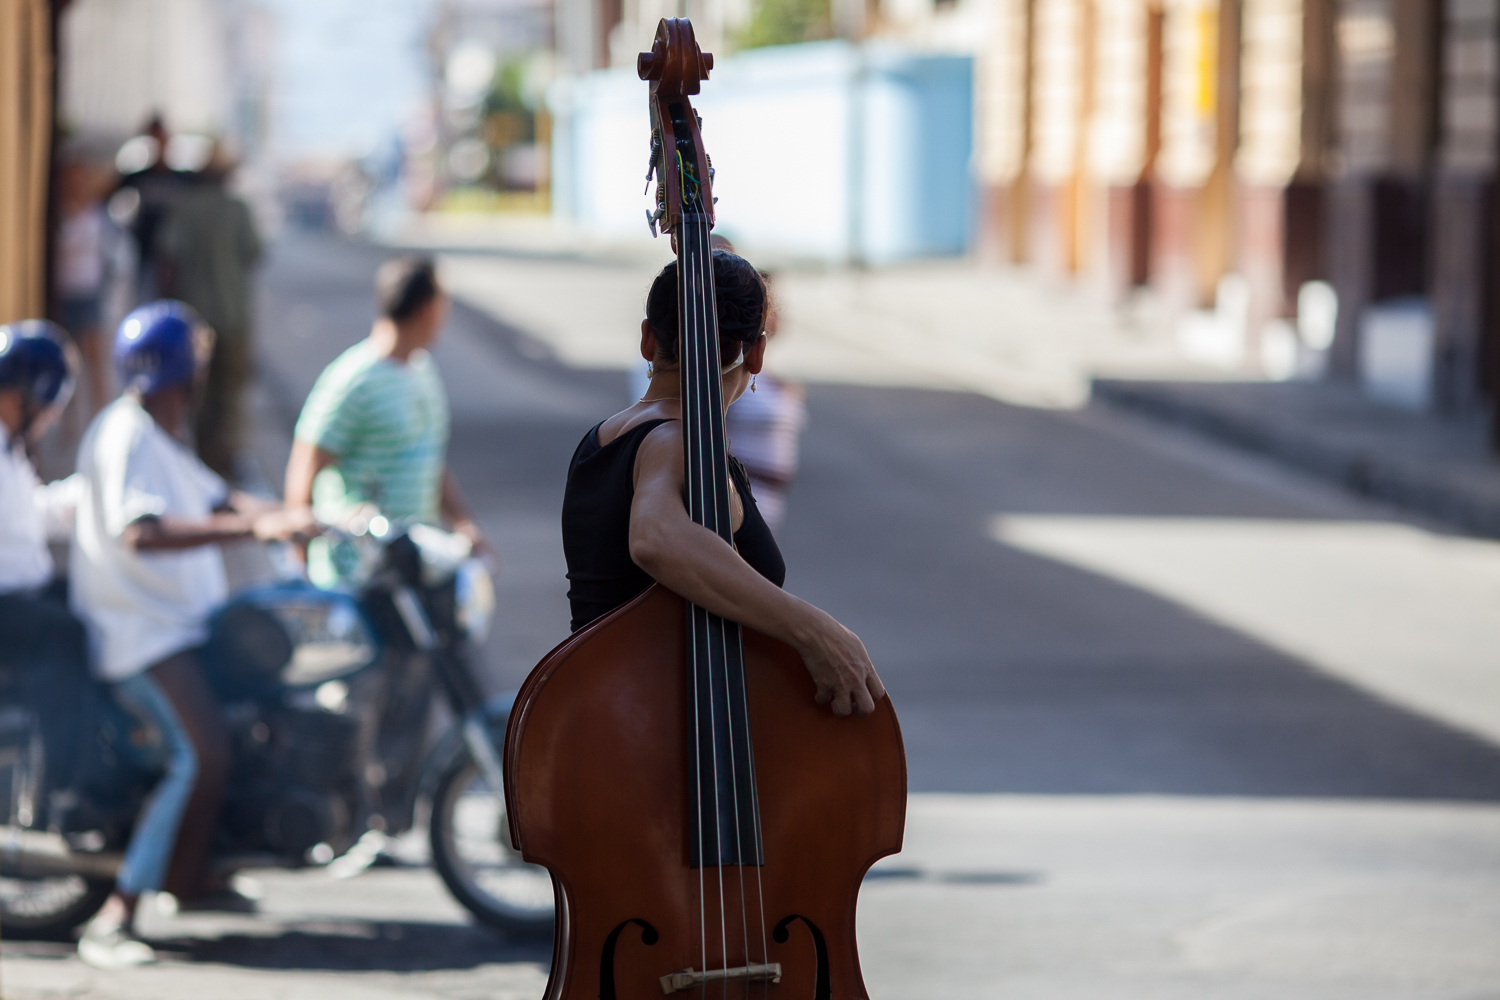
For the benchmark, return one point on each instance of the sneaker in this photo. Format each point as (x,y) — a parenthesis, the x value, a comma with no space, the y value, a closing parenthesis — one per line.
(111,946)
(225,900)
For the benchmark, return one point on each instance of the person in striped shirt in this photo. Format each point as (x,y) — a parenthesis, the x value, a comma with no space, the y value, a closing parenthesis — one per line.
(374,429)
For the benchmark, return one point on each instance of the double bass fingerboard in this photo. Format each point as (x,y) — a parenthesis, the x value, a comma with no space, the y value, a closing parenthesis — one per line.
(722,797)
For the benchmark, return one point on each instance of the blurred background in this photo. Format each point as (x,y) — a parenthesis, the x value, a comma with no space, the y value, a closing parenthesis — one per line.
(1298,189)
(1289,189)
(1143,357)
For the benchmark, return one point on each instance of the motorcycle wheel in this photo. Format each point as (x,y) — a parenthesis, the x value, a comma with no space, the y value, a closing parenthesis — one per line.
(48,907)
(471,850)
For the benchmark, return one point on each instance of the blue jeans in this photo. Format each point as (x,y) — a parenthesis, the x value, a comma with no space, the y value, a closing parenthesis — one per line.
(150,850)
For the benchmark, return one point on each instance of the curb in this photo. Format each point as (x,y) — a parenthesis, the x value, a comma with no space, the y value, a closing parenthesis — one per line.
(1415,486)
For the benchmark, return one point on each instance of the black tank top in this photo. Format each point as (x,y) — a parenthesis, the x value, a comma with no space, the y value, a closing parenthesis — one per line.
(596,525)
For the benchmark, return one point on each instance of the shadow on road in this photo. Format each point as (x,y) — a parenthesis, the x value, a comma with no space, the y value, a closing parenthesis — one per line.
(382,946)
(332,946)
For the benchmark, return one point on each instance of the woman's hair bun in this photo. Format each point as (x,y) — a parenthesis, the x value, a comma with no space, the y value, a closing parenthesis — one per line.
(739,293)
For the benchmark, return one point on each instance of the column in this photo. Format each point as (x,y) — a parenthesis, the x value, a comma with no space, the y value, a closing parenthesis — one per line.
(1002,116)
(1060,96)
(1465,273)
(1284,119)
(1378,204)
(1186,261)
(1122,139)
(25,149)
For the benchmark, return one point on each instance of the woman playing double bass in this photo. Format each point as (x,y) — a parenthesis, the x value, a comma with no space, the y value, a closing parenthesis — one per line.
(708,766)
(625,524)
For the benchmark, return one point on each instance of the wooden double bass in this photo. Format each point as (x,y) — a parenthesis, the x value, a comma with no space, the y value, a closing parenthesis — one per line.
(706,824)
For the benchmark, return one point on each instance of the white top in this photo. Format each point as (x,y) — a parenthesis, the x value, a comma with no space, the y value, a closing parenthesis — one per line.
(80,252)
(141,607)
(27,508)
(764,428)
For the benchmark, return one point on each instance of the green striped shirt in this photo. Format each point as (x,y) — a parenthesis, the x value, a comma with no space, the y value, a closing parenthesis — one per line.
(388,424)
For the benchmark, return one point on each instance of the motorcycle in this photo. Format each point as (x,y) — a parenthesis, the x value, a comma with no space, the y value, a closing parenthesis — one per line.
(328,698)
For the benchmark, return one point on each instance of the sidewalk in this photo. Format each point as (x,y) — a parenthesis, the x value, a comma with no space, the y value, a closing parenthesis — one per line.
(1435,467)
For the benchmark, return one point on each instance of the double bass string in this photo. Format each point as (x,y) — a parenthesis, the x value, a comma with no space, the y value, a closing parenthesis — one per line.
(729,634)
(690,280)
(715,416)
(688,390)
(714,467)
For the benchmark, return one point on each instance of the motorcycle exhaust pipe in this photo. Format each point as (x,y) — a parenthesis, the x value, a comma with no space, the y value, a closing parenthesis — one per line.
(34,854)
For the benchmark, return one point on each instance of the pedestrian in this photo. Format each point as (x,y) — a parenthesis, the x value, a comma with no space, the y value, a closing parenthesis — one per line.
(374,429)
(156,186)
(81,271)
(44,649)
(146,574)
(206,251)
(765,427)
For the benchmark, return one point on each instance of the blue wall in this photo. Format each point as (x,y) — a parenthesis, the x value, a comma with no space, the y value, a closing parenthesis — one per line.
(826,151)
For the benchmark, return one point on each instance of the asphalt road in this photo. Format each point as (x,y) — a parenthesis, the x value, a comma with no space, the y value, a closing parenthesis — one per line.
(1116,794)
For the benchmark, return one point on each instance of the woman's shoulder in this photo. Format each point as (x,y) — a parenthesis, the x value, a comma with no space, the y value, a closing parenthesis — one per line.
(626,426)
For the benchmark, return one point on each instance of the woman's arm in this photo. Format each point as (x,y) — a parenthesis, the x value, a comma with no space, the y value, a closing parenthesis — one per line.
(694,562)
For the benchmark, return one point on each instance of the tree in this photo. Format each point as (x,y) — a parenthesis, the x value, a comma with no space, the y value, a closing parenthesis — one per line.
(786,22)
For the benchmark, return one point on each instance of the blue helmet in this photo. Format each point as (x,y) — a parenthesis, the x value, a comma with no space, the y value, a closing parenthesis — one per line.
(37,357)
(159,345)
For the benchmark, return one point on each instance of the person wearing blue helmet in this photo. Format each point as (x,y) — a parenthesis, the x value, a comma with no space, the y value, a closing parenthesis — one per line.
(146,574)
(45,650)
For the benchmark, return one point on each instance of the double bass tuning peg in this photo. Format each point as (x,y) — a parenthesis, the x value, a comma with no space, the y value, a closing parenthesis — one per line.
(655,155)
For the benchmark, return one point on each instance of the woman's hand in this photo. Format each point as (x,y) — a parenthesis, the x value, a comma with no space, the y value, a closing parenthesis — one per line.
(839,666)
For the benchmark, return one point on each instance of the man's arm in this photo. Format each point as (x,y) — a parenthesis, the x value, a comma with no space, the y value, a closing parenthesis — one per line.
(455,509)
(227,524)
(306,462)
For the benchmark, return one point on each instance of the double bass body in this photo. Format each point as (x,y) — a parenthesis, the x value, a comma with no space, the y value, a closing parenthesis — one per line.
(597,766)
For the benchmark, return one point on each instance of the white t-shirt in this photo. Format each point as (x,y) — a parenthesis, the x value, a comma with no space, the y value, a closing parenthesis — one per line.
(25,562)
(141,607)
(764,428)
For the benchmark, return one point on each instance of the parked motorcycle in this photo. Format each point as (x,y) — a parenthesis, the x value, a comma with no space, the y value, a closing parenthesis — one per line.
(328,697)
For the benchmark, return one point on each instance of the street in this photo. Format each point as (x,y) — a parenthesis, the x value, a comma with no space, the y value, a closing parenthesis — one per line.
(1179,723)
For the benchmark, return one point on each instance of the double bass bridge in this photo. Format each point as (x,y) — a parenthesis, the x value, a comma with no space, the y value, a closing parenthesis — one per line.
(687,979)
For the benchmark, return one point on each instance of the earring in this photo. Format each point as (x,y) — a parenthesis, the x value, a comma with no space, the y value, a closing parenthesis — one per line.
(650,370)
(752,383)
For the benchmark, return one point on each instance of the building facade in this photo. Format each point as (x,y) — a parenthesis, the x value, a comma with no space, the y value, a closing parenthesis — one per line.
(1169,145)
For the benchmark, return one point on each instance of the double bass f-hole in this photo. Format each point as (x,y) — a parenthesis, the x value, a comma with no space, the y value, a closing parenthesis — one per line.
(649,937)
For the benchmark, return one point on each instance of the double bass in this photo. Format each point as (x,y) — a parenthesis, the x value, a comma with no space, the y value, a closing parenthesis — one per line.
(706,824)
